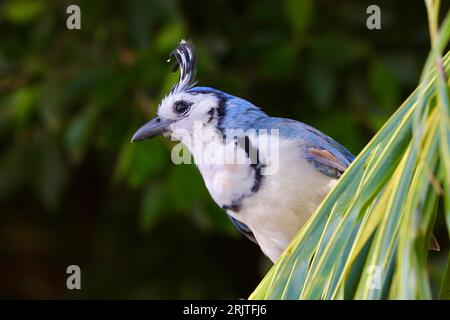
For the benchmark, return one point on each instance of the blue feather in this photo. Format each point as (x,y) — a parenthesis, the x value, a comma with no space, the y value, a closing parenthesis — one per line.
(242,114)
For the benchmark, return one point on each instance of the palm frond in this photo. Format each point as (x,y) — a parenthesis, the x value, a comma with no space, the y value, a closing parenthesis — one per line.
(369,238)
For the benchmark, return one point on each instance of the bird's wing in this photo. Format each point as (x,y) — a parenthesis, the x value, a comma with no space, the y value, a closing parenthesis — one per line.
(243,228)
(328,156)
(325,162)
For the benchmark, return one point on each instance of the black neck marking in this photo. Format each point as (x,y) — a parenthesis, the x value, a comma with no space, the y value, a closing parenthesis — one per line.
(250,151)
(221,112)
(211,113)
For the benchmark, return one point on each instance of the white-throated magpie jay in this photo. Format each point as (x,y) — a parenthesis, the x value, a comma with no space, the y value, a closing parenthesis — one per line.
(271,194)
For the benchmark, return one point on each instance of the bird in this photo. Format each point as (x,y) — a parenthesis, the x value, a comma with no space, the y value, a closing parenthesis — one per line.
(266,199)
(267,195)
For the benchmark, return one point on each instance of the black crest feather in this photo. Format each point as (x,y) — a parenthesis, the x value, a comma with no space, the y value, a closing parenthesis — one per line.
(184,60)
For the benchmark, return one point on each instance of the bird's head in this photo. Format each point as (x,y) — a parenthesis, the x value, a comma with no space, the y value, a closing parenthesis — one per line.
(185,105)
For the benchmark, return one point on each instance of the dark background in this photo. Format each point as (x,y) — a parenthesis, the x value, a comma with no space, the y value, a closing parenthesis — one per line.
(73,190)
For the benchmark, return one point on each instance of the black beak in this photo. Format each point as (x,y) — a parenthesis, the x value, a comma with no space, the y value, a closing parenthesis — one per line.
(152,128)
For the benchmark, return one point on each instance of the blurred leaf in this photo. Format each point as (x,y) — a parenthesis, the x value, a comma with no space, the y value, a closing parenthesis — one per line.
(82,82)
(153,203)
(142,15)
(112,86)
(23,102)
(23,11)
(49,173)
(341,127)
(169,36)
(12,172)
(138,162)
(79,131)
(299,14)
(404,66)
(321,85)
(185,186)
(278,62)
(139,21)
(384,85)
(346,50)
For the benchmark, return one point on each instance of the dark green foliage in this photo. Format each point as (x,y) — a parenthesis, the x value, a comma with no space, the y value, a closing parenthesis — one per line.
(73,190)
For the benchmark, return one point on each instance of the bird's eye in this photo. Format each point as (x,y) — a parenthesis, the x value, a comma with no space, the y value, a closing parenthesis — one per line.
(181,106)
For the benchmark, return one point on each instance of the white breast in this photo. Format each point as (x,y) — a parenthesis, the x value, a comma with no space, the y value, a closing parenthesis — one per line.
(284,201)
(225,179)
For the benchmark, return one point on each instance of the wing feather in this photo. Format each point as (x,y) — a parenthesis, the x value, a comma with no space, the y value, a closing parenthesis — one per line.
(243,228)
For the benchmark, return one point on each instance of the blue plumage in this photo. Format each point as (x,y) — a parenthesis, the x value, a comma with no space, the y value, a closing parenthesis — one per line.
(242,114)
(268,209)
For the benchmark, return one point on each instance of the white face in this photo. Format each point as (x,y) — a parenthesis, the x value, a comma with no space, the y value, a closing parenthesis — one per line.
(188,110)
(181,110)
